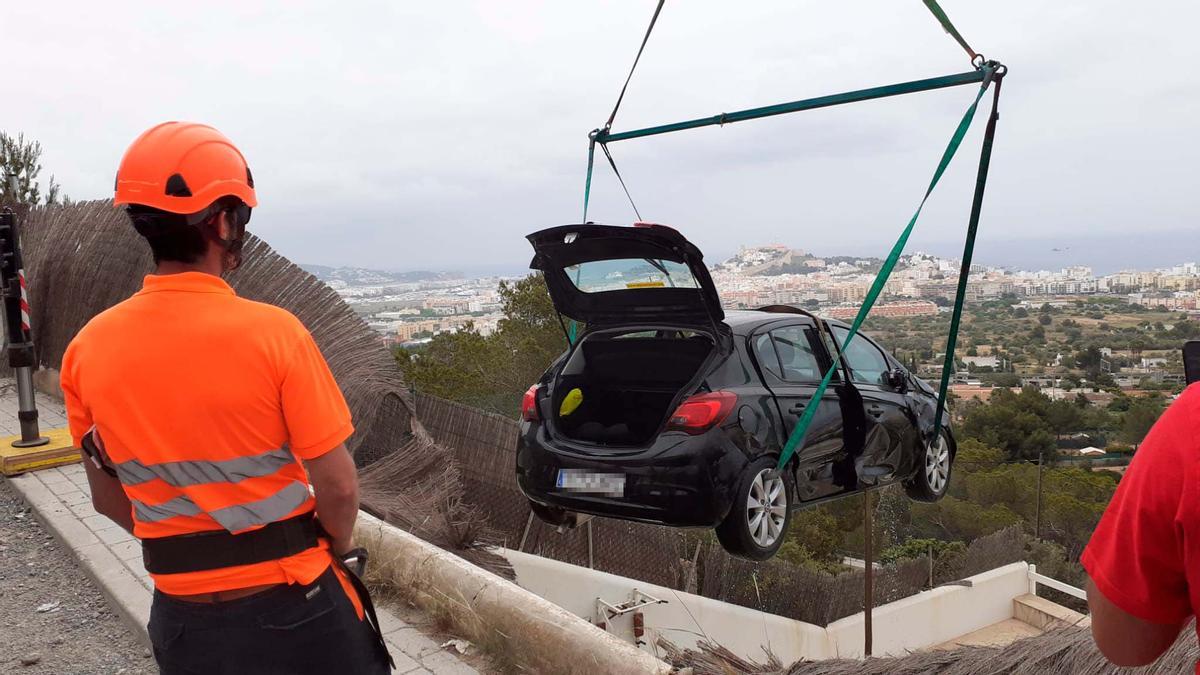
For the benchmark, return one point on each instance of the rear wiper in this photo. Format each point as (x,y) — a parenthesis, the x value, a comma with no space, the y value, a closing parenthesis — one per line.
(661,268)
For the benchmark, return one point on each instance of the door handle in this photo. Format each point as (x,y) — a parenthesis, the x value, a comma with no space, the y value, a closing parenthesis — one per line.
(796,409)
(875,410)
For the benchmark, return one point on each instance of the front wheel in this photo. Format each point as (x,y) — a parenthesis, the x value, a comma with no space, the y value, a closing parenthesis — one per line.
(933,477)
(758,520)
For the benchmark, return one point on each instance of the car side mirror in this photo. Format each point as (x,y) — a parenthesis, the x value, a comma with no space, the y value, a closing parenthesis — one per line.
(897,379)
(1191,361)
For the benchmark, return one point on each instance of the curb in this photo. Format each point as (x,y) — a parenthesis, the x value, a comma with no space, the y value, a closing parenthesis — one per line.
(124,592)
(494,611)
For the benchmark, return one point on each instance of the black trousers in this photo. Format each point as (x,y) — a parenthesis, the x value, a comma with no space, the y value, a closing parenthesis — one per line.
(292,630)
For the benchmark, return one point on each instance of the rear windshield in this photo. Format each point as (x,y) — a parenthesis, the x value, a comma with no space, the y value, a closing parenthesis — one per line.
(615,275)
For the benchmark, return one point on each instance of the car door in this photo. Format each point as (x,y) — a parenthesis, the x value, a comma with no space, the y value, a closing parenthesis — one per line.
(793,363)
(889,432)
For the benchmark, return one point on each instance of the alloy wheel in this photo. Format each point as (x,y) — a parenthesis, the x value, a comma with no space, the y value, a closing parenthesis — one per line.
(766,507)
(937,464)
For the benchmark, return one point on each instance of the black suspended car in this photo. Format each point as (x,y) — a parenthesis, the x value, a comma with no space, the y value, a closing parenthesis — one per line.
(669,410)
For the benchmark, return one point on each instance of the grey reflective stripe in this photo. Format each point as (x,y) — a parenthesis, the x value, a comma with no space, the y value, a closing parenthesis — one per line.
(197,472)
(232,518)
(179,506)
(263,511)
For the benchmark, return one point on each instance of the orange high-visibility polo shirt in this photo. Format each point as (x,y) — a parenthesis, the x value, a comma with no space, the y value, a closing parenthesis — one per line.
(205,403)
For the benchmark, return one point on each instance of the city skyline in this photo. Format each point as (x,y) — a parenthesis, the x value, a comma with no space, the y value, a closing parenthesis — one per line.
(437,135)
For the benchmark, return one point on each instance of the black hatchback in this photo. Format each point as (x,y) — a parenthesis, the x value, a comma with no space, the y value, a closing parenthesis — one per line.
(667,409)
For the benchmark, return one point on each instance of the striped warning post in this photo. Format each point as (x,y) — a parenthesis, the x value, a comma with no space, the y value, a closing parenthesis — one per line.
(24,304)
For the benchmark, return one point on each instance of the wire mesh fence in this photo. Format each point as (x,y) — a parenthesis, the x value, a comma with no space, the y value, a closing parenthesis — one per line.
(781,588)
(485,446)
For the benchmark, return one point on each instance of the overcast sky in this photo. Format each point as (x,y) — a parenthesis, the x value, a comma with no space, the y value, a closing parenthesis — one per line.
(435,135)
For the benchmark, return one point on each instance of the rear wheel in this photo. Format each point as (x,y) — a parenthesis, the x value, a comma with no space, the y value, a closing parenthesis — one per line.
(933,477)
(758,520)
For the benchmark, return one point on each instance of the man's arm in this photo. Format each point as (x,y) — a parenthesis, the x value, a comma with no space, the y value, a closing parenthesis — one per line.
(335,483)
(108,497)
(1123,638)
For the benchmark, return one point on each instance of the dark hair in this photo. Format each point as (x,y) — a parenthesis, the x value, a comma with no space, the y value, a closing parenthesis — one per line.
(170,236)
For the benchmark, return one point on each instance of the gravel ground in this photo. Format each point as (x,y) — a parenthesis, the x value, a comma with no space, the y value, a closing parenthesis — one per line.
(52,618)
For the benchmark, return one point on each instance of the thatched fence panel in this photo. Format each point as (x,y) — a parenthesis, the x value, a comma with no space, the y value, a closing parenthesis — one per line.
(84,258)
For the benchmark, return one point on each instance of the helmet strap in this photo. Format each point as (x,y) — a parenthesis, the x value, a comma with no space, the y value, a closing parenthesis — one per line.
(236,217)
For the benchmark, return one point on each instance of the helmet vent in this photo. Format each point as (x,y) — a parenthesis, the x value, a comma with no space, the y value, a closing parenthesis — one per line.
(177,186)
(249,178)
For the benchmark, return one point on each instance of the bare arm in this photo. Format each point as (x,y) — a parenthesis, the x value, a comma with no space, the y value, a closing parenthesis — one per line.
(108,497)
(335,482)
(1124,639)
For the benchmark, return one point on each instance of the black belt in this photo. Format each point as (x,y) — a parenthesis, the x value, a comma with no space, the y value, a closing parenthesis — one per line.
(214,550)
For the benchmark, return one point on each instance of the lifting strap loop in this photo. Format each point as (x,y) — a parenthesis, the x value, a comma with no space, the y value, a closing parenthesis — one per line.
(801,429)
(985,159)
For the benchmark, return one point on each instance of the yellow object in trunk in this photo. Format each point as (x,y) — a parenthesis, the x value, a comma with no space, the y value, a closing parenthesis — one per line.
(571,402)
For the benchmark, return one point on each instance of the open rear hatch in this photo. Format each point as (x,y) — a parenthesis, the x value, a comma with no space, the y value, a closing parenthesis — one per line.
(604,275)
(652,315)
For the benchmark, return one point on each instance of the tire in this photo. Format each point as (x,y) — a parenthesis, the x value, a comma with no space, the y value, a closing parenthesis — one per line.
(552,515)
(763,494)
(933,475)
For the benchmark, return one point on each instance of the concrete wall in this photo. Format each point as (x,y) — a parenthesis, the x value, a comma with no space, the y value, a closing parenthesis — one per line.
(921,621)
(933,617)
(683,619)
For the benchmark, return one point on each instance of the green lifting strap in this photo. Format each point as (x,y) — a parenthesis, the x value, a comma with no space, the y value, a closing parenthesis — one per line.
(949,28)
(801,429)
(985,160)
(587,185)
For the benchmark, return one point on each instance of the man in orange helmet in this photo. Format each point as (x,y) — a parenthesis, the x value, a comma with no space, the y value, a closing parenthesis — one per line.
(215,434)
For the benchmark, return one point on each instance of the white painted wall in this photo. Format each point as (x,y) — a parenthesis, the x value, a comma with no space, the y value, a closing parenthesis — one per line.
(933,617)
(917,622)
(684,619)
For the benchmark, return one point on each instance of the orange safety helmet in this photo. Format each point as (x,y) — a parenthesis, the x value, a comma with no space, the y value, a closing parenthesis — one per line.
(183,167)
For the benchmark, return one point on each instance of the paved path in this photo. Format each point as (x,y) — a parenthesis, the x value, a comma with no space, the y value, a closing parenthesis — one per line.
(112,557)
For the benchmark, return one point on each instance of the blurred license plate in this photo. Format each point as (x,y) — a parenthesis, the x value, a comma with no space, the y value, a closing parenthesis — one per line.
(578,480)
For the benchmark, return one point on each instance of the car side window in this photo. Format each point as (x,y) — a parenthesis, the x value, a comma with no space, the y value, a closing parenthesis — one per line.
(764,352)
(867,364)
(793,344)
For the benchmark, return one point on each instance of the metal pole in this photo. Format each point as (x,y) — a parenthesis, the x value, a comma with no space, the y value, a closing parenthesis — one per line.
(869,578)
(931,567)
(525,534)
(1037,520)
(591,556)
(20,333)
(603,136)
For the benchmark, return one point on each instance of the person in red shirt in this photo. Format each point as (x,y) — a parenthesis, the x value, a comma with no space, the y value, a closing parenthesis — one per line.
(1144,558)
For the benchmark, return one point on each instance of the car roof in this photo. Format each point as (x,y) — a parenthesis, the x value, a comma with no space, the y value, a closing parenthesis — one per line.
(743,321)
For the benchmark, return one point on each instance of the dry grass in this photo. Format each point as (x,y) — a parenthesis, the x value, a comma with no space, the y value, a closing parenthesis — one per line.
(416,490)
(1065,651)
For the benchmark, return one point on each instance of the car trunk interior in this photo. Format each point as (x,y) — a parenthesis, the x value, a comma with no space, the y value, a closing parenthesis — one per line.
(617,388)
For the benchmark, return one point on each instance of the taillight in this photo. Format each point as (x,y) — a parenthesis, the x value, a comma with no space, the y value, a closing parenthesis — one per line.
(529,410)
(702,412)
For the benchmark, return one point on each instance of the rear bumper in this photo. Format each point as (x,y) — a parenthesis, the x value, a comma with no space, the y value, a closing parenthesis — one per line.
(682,481)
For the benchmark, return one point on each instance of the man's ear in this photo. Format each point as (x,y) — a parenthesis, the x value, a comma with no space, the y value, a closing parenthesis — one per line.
(224,227)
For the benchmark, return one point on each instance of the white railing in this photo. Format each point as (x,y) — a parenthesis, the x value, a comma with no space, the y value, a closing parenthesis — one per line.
(1035,579)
